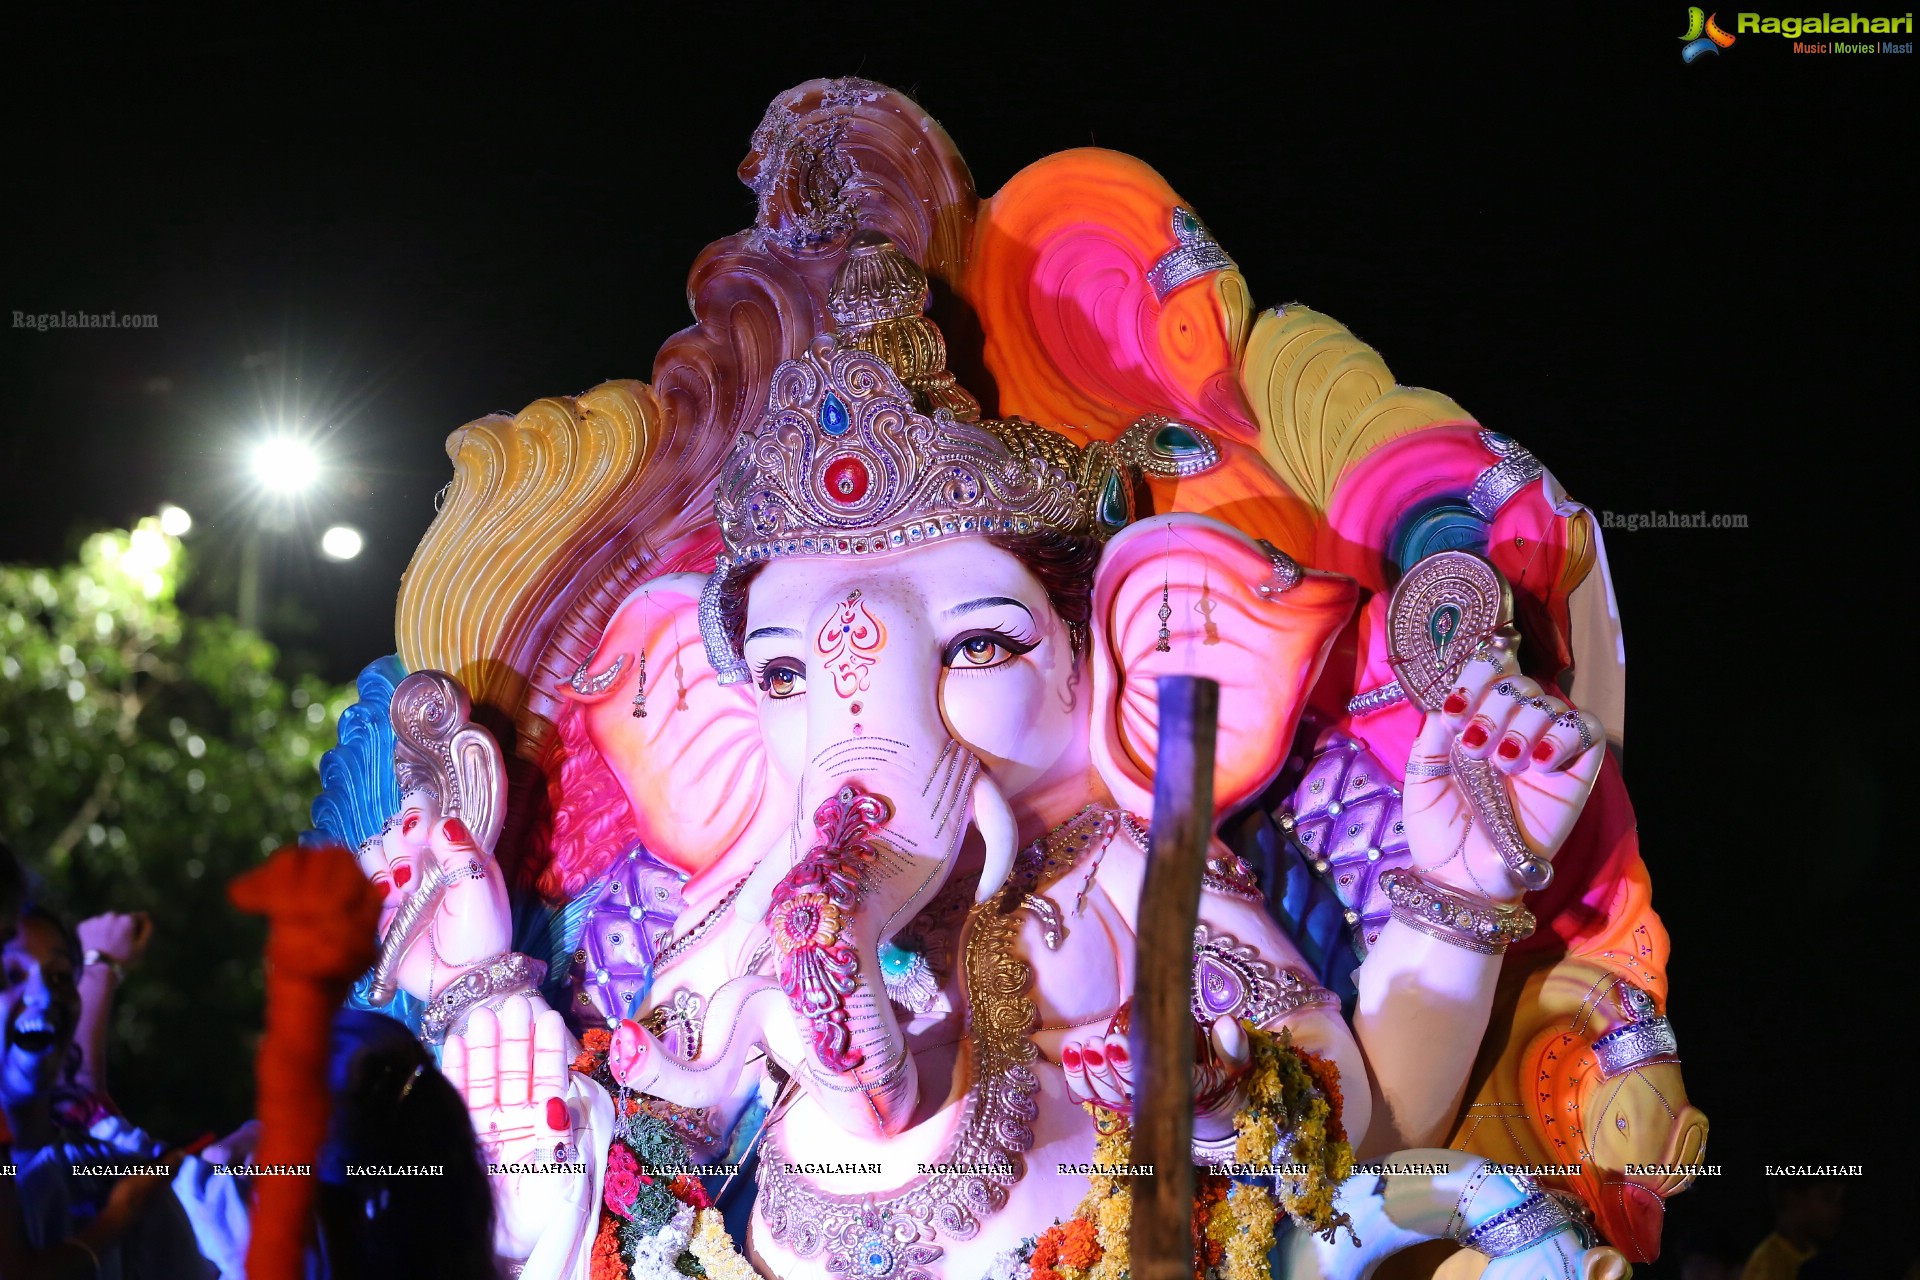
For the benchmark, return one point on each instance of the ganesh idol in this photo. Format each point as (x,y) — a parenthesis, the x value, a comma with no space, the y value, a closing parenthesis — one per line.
(815,801)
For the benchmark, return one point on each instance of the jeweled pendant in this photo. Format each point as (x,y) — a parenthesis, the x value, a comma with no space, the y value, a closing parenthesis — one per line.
(640,695)
(834,419)
(1176,442)
(1113,502)
(1442,626)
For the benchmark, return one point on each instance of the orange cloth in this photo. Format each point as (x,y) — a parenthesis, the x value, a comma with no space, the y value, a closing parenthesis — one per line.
(321,916)
(1775,1259)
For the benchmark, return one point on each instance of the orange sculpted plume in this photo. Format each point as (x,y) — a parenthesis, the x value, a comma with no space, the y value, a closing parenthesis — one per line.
(1074,331)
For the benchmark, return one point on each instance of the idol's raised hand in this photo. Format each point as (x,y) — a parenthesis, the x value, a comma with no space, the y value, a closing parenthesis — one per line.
(1545,756)
(511,1067)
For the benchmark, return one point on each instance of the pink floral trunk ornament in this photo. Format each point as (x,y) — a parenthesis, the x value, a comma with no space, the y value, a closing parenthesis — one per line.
(813,906)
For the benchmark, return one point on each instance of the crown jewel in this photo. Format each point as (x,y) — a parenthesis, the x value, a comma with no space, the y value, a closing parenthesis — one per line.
(845,462)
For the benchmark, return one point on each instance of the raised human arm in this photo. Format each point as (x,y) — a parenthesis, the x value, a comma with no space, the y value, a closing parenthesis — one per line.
(112,943)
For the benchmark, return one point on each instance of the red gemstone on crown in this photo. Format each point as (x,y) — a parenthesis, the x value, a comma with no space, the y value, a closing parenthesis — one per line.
(847,480)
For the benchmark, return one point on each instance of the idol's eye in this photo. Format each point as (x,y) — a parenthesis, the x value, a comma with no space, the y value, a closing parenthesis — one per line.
(783,678)
(980,650)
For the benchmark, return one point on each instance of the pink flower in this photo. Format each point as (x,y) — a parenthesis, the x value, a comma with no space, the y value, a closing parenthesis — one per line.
(623,1180)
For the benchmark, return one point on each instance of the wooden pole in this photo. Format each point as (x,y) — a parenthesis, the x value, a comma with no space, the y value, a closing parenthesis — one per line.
(1161,1035)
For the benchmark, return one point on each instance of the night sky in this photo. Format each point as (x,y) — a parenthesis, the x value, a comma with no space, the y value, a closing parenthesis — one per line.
(1685,287)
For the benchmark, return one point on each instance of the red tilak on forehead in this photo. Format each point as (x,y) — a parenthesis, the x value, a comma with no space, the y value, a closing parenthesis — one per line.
(850,642)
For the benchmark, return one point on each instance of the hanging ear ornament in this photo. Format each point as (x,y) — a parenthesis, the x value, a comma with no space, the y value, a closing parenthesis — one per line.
(679,672)
(1164,642)
(640,695)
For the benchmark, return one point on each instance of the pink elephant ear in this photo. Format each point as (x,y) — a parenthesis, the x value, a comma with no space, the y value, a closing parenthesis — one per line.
(694,769)
(1233,619)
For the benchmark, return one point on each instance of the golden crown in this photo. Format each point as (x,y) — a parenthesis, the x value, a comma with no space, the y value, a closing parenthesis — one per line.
(863,455)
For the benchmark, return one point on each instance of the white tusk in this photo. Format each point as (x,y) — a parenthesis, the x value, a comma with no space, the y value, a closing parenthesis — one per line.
(994,818)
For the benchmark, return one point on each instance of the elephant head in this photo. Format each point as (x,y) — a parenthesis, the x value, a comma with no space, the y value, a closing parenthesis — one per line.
(924,625)
(1629,1107)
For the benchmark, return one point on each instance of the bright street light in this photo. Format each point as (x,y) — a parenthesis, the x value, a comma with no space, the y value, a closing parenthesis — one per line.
(284,465)
(174,521)
(341,542)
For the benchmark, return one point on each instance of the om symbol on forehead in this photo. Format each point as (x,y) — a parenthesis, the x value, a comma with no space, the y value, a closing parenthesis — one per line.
(849,644)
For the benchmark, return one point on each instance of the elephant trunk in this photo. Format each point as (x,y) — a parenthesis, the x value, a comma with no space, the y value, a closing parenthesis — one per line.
(886,842)
(732,1035)
(414,915)
(892,795)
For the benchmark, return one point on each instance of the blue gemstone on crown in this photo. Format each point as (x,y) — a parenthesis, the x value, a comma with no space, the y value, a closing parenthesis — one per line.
(834,419)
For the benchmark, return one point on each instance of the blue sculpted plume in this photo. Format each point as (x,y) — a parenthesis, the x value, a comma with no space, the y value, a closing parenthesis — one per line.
(359,792)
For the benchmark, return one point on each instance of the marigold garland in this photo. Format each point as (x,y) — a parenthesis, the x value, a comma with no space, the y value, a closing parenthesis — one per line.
(653,1227)
(1292,1117)
(713,1247)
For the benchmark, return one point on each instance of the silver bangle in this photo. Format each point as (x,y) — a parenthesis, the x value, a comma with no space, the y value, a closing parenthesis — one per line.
(1521,1227)
(1208,1152)
(1635,1045)
(1474,924)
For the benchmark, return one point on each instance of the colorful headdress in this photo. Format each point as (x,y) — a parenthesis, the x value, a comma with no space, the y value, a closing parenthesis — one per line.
(848,460)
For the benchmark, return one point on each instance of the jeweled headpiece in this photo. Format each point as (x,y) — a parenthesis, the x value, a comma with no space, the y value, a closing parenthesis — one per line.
(857,455)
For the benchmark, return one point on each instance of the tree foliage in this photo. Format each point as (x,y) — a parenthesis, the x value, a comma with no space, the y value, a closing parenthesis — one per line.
(147,756)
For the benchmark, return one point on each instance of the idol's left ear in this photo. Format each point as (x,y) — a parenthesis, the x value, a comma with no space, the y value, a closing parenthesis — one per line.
(1236,614)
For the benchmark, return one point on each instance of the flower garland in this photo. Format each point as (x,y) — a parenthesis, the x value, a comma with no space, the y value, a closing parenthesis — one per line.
(653,1227)
(1291,1118)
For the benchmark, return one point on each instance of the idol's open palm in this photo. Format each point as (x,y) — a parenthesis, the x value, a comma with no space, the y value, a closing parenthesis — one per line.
(511,1067)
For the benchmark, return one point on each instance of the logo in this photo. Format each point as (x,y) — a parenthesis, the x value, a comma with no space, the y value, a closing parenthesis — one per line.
(1703,35)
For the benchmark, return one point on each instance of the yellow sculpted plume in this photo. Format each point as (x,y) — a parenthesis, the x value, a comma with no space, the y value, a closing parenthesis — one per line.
(530,502)
(1325,399)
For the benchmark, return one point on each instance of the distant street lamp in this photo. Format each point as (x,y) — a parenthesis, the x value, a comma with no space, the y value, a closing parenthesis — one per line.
(285,465)
(341,542)
(174,521)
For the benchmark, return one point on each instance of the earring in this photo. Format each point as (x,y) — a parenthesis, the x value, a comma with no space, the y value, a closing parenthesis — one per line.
(1163,643)
(679,673)
(640,695)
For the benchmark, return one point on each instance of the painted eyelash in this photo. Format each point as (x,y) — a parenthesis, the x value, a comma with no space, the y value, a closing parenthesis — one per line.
(1015,645)
(760,671)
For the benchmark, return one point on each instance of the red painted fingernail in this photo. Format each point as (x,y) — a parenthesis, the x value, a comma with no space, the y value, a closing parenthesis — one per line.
(1095,1058)
(1543,752)
(557,1113)
(457,831)
(1509,748)
(1070,1058)
(1456,702)
(1118,1052)
(1476,734)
